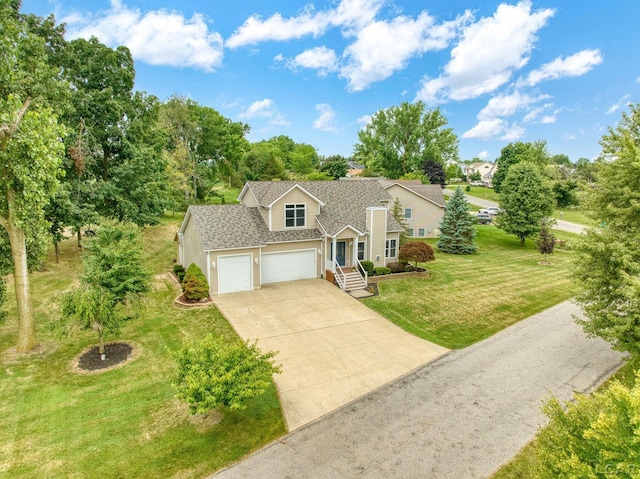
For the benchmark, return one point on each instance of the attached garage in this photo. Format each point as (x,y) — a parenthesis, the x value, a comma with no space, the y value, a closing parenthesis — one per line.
(234,273)
(288,266)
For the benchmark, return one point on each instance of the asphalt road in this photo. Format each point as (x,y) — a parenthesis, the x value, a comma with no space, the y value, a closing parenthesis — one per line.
(461,416)
(560,224)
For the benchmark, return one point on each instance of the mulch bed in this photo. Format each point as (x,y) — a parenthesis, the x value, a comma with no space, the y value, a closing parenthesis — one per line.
(116,353)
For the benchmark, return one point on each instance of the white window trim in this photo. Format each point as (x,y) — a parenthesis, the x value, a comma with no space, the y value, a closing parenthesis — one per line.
(388,248)
(364,250)
(410,210)
(424,232)
(304,209)
(410,232)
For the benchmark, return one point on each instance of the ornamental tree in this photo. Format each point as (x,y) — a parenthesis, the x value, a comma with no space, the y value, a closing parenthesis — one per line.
(457,229)
(526,200)
(218,372)
(546,241)
(416,251)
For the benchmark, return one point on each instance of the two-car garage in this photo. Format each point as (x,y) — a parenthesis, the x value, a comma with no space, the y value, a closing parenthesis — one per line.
(235,272)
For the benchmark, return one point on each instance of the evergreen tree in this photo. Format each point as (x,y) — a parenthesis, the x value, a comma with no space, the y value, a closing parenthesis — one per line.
(457,227)
(398,213)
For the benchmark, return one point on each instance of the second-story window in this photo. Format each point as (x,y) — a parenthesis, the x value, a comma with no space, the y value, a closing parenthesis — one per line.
(294,216)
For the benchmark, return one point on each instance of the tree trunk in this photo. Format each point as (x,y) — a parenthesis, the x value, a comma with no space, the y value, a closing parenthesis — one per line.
(56,247)
(26,323)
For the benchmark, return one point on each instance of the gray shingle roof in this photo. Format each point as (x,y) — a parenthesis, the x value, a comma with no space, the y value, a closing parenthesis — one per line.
(239,226)
(431,192)
(345,202)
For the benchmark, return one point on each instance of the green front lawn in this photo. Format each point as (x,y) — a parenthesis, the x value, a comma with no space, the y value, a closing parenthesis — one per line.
(467,298)
(125,422)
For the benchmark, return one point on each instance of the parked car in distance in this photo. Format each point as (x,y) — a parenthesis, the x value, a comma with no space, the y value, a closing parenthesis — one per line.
(484,218)
(493,210)
(478,183)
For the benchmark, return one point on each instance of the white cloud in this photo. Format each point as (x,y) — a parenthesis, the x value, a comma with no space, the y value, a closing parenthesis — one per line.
(384,47)
(364,120)
(624,101)
(488,53)
(638,80)
(322,59)
(494,128)
(350,14)
(327,119)
(159,37)
(264,109)
(507,105)
(548,119)
(572,66)
(483,154)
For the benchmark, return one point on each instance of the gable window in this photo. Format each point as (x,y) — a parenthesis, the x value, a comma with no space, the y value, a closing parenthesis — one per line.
(410,232)
(294,216)
(421,232)
(390,248)
(407,213)
(361,250)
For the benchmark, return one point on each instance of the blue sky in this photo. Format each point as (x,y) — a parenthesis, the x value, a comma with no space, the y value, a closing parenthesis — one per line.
(561,70)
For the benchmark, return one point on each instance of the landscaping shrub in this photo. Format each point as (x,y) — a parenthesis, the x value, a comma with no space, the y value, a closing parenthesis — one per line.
(195,284)
(409,268)
(177,268)
(467,188)
(397,267)
(382,271)
(181,275)
(368,267)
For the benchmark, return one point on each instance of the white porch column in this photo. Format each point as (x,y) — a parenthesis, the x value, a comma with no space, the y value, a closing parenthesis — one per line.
(355,251)
(333,255)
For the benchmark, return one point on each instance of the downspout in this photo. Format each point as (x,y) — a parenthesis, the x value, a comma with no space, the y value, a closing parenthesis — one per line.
(334,256)
(209,271)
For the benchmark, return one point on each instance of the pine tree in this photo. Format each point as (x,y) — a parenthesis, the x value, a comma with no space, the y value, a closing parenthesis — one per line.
(398,213)
(457,227)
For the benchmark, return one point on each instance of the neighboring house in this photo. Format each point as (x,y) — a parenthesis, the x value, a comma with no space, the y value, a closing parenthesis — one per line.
(485,169)
(288,230)
(355,169)
(422,206)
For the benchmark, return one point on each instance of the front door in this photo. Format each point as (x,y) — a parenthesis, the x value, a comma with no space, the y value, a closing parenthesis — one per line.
(341,249)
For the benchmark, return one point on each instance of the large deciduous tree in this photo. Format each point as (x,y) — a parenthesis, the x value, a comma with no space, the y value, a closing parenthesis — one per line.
(30,151)
(526,200)
(607,263)
(535,153)
(457,229)
(399,139)
(336,166)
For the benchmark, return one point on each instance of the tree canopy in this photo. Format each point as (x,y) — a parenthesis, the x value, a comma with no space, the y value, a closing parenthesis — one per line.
(535,153)
(399,139)
(607,263)
(526,200)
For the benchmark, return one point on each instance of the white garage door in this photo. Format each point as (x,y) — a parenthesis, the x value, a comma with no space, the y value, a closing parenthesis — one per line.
(277,267)
(234,273)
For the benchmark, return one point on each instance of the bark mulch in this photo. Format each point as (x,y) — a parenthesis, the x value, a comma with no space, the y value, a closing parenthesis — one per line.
(116,353)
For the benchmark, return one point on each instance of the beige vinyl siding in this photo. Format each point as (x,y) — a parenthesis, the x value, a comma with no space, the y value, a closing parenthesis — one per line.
(377,226)
(193,251)
(295,196)
(424,213)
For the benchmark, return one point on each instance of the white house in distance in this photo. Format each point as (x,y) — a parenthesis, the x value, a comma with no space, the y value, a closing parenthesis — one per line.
(485,169)
(422,206)
(290,230)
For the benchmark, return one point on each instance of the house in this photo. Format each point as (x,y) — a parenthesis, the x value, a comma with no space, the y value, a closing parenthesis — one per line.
(485,169)
(422,206)
(288,230)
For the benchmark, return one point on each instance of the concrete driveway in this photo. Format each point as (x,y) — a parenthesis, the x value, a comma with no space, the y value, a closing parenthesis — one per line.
(332,348)
(461,416)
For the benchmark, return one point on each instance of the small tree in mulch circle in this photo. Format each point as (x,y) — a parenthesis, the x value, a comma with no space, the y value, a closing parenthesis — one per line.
(546,241)
(113,277)
(417,252)
(217,372)
(195,284)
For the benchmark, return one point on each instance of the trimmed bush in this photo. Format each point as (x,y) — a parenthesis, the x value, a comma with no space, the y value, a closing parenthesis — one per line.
(368,267)
(180,275)
(397,267)
(195,284)
(382,271)
(177,268)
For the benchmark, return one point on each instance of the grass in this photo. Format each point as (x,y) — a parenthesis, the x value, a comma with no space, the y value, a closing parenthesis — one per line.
(124,422)
(230,194)
(477,191)
(467,298)
(524,464)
